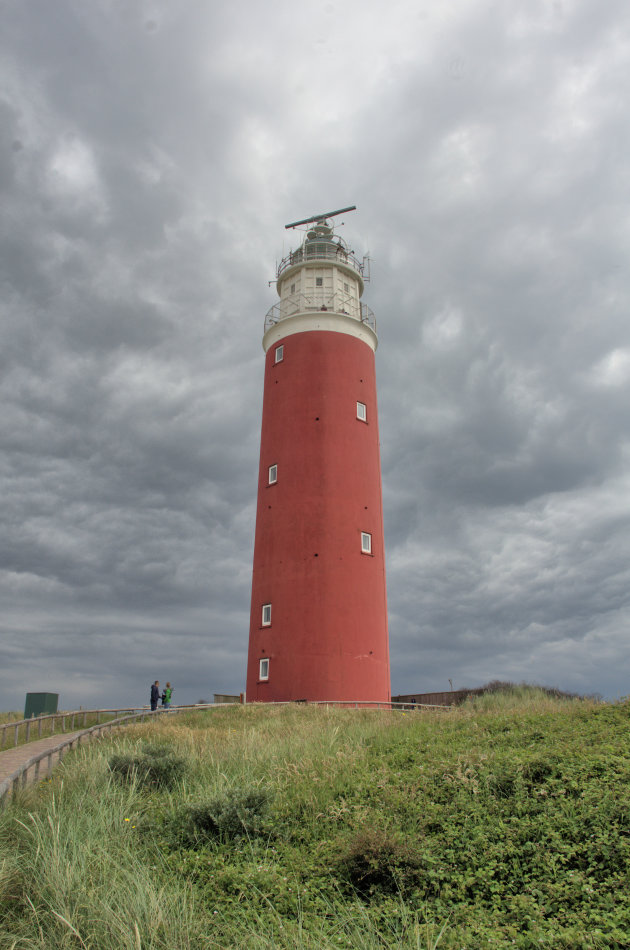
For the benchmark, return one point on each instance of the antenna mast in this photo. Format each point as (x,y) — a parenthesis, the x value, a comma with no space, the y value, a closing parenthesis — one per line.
(321,217)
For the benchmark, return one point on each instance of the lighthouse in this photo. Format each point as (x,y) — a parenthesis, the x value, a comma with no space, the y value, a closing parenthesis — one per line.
(318,623)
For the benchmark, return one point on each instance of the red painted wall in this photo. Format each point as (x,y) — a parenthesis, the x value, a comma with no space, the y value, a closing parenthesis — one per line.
(328,636)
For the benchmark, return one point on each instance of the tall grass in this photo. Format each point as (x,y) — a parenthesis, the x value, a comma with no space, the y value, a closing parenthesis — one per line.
(74,863)
(535,699)
(9,717)
(485,826)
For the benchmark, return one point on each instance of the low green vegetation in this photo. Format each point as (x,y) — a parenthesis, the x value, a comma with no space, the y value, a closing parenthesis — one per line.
(503,823)
(154,766)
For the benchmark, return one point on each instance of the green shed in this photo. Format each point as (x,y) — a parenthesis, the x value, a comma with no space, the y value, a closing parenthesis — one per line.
(39,704)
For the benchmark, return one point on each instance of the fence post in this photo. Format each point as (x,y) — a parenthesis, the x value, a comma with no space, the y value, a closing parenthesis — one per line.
(28,730)
(39,726)
(15,742)
(49,758)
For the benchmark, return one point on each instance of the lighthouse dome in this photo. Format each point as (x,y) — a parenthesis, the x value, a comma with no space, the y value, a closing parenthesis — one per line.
(320,232)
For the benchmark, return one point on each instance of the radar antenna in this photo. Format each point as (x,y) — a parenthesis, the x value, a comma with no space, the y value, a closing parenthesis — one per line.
(321,217)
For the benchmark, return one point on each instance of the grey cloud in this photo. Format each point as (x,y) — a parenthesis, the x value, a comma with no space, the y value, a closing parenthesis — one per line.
(149,158)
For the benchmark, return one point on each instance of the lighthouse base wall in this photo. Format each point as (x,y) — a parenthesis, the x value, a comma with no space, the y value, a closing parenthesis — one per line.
(318,627)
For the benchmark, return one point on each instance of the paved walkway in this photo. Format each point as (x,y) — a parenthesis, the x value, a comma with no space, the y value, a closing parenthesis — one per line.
(12,759)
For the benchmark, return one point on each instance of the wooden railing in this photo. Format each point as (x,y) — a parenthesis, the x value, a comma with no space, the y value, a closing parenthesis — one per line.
(50,721)
(19,777)
(76,715)
(354,704)
(47,724)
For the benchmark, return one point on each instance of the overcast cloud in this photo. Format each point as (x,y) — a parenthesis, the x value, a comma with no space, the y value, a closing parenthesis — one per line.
(150,155)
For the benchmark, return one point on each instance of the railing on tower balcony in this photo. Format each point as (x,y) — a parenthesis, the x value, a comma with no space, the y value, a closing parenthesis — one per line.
(320,250)
(333,303)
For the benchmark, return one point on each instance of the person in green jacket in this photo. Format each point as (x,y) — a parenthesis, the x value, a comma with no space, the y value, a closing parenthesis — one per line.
(166,696)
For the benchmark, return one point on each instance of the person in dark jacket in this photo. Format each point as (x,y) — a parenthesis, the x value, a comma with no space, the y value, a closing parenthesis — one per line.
(155,695)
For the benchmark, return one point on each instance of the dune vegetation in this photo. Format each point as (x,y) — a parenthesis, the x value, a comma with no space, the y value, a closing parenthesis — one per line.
(502,823)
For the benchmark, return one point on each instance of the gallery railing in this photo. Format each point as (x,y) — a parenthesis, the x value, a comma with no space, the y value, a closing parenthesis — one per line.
(320,251)
(313,303)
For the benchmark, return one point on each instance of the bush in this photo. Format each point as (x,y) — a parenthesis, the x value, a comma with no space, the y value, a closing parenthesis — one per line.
(374,861)
(153,767)
(236,814)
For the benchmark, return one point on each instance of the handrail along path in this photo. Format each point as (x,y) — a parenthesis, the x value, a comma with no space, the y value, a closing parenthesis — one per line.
(19,777)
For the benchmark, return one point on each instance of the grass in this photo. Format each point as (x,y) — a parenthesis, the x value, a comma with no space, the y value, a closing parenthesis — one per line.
(505,822)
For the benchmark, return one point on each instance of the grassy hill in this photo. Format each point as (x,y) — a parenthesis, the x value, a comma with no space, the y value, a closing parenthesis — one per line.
(502,823)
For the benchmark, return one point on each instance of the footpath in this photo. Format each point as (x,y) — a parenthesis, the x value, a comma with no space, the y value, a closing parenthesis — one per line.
(12,759)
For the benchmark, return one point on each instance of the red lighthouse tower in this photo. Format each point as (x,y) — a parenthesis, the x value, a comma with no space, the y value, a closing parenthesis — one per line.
(318,627)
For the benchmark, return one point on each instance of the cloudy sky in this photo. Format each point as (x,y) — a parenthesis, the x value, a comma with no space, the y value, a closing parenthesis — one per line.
(150,155)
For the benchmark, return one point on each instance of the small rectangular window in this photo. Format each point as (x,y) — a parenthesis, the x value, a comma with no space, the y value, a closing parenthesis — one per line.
(266,615)
(279,354)
(366,542)
(362,411)
(346,288)
(292,288)
(264,670)
(273,474)
(319,281)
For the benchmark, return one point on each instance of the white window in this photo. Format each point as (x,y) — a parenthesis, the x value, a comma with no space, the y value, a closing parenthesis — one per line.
(362,411)
(319,281)
(273,474)
(279,354)
(366,543)
(264,670)
(266,615)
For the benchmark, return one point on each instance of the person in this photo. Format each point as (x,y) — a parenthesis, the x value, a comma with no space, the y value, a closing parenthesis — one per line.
(166,696)
(155,695)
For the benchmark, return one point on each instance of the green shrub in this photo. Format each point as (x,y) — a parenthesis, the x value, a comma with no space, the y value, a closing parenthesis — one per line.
(237,814)
(374,862)
(153,767)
